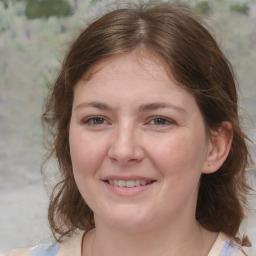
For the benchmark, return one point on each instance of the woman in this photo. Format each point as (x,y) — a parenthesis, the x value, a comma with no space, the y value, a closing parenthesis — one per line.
(146,132)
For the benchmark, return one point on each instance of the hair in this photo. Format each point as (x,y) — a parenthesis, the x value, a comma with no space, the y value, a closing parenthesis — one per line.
(177,36)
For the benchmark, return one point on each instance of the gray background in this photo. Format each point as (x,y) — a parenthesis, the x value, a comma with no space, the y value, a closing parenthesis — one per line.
(30,55)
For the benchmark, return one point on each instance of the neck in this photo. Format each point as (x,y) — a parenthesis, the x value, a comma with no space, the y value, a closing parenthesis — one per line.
(175,239)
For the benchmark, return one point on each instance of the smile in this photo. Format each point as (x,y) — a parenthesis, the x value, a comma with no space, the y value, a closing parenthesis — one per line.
(128,183)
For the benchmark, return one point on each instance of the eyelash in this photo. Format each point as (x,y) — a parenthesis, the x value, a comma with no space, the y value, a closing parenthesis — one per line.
(91,121)
(167,122)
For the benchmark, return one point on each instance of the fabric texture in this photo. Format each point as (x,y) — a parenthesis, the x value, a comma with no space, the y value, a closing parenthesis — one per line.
(223,246)
(45,250)
(232,249)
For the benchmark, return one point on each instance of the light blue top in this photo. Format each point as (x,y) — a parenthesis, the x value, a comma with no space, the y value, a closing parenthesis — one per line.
(45,250)
(230,249)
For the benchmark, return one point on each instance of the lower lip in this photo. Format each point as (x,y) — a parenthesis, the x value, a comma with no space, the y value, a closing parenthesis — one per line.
(125,191)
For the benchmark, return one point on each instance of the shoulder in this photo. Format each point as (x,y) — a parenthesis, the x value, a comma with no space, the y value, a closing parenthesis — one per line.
(71,246)
(40,250)
(226,246)
(19,252)
(232,248)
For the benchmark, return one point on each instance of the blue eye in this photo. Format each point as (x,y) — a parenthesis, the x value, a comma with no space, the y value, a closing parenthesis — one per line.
(161,121)
(95,121)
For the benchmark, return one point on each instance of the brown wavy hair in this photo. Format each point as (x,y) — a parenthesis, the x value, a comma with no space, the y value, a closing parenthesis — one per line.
(176,36)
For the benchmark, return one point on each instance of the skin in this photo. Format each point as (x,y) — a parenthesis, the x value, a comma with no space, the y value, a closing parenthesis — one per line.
(131,119)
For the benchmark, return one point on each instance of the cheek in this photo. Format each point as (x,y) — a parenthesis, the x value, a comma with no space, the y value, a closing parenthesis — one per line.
(179,155)
(86,153)
(180,160)
(86,158)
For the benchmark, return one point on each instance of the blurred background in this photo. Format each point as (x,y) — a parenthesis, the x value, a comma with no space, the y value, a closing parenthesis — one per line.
(34,35)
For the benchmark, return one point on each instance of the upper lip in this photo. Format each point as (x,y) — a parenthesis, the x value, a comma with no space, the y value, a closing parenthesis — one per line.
(132,177)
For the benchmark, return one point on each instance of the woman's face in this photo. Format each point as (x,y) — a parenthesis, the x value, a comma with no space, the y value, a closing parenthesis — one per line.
(138,144)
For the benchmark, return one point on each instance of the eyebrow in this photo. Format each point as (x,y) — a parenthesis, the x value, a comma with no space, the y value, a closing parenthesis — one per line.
(142,108)
(159,105)
(94,104)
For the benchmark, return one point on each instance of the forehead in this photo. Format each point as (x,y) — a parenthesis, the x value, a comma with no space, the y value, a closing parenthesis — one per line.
(141,64)
(133,73)
(131,80)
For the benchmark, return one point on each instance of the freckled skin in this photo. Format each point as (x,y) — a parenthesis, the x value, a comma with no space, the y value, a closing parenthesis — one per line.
(172,151)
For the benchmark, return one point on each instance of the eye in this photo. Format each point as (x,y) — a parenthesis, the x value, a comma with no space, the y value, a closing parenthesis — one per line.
(95,121)
(161,121)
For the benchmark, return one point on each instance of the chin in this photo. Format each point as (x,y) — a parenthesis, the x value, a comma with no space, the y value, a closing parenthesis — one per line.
(128,219)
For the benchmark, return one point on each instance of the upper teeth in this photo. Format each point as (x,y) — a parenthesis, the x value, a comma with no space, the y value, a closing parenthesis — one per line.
(127,183)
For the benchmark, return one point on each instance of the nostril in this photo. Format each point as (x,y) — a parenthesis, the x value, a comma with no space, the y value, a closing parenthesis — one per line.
(125,148)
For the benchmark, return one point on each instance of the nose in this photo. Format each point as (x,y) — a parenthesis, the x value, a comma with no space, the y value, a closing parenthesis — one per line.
(126,148)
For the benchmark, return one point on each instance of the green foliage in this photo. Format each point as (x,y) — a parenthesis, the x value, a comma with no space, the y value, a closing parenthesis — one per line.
(46,8)
(5,3)
(183,4)
(203,7)
(240,8)
(8,2)
(200,6)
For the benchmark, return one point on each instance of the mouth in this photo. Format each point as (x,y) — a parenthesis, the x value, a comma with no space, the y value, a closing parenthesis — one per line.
(128,183)
(128,186)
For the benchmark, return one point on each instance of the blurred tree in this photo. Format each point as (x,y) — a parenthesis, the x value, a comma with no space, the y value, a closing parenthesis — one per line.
(75,3)
(5,2)
(46,8)
(203,7)
(240,8)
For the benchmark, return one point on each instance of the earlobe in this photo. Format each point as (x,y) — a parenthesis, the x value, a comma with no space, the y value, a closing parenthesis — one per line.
(220,143)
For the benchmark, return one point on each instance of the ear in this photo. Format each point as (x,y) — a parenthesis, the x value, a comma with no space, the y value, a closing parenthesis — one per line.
(219,147)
